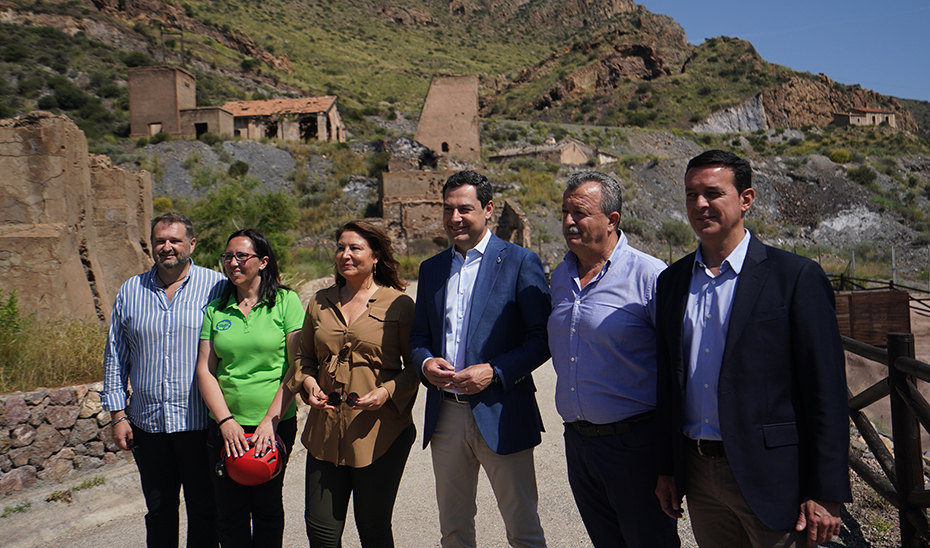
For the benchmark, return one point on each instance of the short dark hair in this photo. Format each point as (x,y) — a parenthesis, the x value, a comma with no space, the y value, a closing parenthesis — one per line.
(611,199)
(482,186)
(171,218)
(387,271)
(742,171)
(270,275)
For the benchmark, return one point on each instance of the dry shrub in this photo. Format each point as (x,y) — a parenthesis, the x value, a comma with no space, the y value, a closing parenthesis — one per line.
(41,352)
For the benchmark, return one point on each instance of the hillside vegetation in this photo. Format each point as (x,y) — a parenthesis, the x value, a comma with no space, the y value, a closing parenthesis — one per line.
(549,69)
(569,61)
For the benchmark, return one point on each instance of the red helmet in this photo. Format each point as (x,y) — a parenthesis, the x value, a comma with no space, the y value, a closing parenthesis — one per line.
(248,470)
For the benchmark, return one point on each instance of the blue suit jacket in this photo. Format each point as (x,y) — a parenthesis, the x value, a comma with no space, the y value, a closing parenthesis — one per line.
(782,397)
(507,328)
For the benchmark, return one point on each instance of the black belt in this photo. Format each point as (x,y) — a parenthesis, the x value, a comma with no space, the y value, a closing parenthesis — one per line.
(708,448)
(591,430)
(459,398)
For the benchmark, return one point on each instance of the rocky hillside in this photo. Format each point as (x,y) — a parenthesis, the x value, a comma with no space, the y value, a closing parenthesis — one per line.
(806,202)
(583,61)
(647,75)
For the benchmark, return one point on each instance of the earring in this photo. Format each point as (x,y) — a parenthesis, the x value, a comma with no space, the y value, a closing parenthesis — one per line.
(374,269)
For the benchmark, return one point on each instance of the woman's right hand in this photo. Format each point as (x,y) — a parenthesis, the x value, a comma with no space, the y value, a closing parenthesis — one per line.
(234,438)
(313,395)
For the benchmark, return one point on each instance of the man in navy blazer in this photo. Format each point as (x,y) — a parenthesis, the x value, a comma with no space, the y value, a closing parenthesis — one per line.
(478,333)
(751,401)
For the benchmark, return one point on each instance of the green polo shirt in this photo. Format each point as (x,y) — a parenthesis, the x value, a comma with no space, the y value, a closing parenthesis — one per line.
(252,352)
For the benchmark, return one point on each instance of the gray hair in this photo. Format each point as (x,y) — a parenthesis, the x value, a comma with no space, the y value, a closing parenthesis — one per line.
(610,190)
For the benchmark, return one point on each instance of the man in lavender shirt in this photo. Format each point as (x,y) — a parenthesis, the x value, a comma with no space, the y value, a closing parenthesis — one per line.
(603,343)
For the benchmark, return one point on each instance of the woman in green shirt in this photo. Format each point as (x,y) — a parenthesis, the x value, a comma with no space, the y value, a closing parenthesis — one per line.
(248,349)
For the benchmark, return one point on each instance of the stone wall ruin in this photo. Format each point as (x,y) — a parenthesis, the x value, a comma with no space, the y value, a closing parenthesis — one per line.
(411,201)
(72,226)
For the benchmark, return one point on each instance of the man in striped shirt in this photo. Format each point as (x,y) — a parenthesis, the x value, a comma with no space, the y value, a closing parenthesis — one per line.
(149,385)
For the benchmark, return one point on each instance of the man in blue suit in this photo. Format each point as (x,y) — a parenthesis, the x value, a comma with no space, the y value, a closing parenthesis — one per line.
(751,402)
(478,333)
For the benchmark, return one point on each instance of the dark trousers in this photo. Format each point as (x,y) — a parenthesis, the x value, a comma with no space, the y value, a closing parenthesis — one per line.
(720,516)
(613,479)
(374,488)
(250,516)
(166,462)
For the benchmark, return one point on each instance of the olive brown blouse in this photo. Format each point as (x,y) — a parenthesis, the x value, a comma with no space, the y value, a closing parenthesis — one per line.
(374,351)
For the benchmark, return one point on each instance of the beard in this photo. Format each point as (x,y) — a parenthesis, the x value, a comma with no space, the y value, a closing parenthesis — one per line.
(175,260)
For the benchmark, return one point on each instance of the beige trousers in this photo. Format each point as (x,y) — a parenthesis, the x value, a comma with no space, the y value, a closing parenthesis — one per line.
(458,450)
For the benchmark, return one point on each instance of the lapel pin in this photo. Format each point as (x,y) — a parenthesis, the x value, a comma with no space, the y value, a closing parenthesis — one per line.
(498,260)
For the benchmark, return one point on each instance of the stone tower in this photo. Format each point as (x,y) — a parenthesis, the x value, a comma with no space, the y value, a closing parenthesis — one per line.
(449,120)
(156,97)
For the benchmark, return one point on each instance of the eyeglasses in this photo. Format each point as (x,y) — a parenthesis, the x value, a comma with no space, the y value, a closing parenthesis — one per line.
(335,399)
(240,257)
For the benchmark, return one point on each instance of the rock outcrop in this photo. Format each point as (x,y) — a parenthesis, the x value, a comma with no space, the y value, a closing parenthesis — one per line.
(72,227)
(805,102)
(797,103)
(748,116)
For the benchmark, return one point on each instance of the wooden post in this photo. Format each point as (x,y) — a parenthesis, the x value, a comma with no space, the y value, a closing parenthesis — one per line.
(906,431)
(894,269)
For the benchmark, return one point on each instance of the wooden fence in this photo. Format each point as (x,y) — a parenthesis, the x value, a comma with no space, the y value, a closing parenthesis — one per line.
(902,483)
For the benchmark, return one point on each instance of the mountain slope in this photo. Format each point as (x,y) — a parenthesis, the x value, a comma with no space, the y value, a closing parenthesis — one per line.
(607,62)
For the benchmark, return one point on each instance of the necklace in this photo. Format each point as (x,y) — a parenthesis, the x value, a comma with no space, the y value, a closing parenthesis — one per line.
(163,282)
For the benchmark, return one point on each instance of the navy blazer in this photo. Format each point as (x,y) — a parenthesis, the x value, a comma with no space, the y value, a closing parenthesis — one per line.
(506,328)
(782,396)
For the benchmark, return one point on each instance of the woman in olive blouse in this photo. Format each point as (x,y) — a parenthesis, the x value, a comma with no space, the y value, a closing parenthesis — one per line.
(356,375)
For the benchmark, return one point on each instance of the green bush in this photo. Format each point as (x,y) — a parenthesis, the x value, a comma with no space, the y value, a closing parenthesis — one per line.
(232,204)
(159,137)
(526,163)
(677,233)
(47,102)
(634,225)
(238,169)
(249,64)
(137,59)
(840,156)
(210,138)
(863,175)
(111,91)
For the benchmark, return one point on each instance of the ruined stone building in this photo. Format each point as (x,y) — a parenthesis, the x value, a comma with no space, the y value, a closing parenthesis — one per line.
(303,119)
(864,117)
(73,228)
(568,152)
(410,195)
(449,119)
(164,100)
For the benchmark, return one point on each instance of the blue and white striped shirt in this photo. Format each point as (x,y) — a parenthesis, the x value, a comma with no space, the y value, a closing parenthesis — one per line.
(153,344)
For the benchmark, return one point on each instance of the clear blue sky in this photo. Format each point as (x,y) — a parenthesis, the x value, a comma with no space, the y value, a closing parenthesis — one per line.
(881,45)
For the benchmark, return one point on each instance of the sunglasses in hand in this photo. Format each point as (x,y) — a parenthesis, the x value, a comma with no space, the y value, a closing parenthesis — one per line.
(336,398)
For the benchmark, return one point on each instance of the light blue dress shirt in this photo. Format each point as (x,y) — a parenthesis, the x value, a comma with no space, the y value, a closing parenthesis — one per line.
(459,289)
(602,337)
(704,337)
(153,344)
